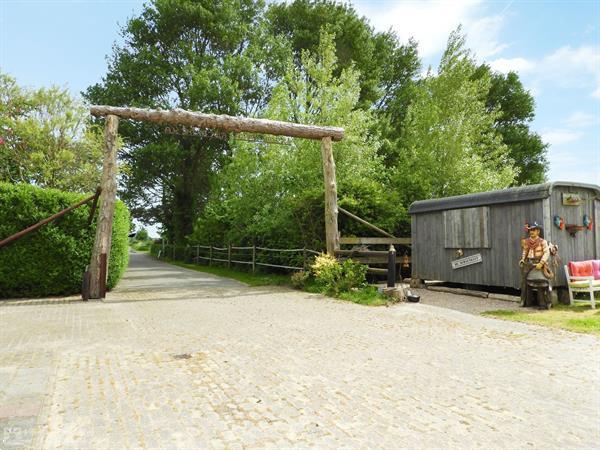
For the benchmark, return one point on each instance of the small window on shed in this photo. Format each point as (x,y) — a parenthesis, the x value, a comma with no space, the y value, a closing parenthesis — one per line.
(467,228)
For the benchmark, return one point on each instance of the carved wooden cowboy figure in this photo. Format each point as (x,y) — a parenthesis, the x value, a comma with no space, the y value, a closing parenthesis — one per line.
(535,273)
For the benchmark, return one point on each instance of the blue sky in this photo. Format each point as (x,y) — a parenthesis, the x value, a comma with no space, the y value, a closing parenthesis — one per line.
(554,45)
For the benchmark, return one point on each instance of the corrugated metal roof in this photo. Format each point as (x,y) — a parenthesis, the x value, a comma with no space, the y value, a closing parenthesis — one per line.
(511,195)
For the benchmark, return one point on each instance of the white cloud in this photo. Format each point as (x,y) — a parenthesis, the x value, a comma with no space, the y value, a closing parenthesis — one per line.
(559,172)
(565,164)
(482,35)
(559,137)
(430,23)
(581,120)
(566,67)
(505,65)
(573,67)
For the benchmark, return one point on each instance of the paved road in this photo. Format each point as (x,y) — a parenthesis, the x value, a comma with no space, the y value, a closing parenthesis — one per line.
(178,359)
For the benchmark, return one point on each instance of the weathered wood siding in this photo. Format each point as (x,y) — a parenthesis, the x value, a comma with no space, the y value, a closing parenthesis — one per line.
(500,266)
(582,246)
(467,227)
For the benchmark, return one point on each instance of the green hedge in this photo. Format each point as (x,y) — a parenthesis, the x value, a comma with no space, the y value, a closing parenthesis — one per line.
(51,261)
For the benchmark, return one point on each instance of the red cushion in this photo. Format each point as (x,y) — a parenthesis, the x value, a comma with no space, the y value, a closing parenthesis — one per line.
(596,268)
(581,268)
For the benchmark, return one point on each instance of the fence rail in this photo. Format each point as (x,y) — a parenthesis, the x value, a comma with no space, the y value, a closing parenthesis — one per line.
(279,258)
(255,256)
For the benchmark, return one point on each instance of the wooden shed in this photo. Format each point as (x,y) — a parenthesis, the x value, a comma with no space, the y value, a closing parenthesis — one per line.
(475,238)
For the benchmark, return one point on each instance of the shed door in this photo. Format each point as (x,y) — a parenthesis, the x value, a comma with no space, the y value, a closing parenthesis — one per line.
(467,228)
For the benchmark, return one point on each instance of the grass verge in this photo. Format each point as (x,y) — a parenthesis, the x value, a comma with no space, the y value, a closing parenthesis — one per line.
(578,318)
(366,296)
(251,279)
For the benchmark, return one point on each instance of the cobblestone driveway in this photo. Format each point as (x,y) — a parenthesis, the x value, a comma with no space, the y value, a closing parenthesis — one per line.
(178,359)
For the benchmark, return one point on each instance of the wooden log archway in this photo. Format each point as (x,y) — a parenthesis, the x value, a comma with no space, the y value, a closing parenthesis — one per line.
(101,250)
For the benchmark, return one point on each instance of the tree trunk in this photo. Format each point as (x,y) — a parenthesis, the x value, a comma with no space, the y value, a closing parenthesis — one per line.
(331,209)
(106,213)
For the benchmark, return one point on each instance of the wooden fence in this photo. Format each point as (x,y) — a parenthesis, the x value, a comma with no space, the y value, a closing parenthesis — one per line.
(254,256)
(292,258)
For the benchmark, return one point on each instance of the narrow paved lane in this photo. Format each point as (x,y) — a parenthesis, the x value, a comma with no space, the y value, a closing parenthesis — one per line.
(149,279)
(179,359)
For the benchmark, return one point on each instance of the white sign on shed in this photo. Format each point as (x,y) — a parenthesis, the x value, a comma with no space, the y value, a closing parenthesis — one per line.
(467,261)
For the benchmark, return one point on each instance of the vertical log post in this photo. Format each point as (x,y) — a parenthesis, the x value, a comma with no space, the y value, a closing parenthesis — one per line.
(107,209)
(197,254)
(103,274)
(332,236)
(253,258)
(229,256)
(391,270)
(210,255)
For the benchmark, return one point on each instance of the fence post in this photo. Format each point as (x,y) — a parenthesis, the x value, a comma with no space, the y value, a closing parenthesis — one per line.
(173,252)
(197,254)
(304,258)
(229,256)
(391,275)
(210,255)
(253,258)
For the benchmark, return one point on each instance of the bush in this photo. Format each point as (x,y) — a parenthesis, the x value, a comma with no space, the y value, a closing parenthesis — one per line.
(51,260)
(336,277)
(299,279)
(142,235)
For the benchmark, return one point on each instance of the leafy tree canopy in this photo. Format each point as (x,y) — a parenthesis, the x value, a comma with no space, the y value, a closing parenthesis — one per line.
(274,192)
(516,111)
(198,55)
(450,145)
(383,64)
(45,139)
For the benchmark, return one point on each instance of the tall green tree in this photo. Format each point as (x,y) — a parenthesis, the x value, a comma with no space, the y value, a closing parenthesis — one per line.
(388,69)
(516,108)
(450,145)
(384,65)
(274,193)
(46,140)
(199,55)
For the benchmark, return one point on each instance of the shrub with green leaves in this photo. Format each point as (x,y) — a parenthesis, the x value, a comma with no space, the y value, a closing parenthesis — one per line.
(52,260)
(299,279)
(336,277)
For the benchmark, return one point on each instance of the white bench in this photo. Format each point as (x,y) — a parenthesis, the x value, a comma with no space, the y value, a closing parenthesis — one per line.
(582,284)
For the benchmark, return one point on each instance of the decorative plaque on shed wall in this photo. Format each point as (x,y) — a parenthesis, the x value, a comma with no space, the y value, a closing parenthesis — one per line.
(569,199)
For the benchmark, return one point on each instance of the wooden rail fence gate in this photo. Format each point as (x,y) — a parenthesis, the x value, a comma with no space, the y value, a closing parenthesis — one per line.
(101,249)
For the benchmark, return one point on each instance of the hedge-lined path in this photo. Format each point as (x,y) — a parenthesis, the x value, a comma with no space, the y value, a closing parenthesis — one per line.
(149,279)
(221,365)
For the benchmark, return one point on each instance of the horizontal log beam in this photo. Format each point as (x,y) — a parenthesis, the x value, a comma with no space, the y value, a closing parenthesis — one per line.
(374,241)
(368,259)
(382,253)
(377,271)
(221,122)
